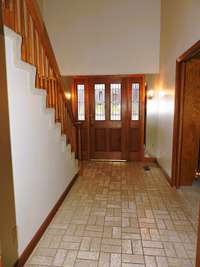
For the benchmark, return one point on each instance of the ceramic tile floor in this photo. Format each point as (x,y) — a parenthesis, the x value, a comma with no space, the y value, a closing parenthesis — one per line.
(117,214)
(191,197)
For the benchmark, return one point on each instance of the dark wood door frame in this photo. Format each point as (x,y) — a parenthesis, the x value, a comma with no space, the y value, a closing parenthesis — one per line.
(198,245)
(178,111)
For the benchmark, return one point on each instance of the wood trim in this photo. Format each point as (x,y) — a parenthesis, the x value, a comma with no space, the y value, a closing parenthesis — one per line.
(149,160)
(178,110)
(198,245)
(142,117)
(169,180)
(32,244)
(1,263)
(105,77)
(190,53)
(8,238)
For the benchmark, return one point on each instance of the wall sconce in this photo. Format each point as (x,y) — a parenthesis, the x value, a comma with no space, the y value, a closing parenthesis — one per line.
(162,93)
(150,94)
(68,95)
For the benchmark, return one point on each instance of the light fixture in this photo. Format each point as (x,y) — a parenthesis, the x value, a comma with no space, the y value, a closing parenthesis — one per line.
(68,95)
(162,93)
(150,94)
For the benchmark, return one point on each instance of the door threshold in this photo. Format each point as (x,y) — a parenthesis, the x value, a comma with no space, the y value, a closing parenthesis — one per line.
(109,160)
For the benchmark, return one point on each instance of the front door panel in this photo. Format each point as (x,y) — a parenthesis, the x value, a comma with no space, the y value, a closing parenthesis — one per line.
(106,122)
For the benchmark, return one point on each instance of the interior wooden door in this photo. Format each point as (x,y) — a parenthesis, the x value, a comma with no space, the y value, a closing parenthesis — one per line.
(111,109)
(191,123)
(107,119)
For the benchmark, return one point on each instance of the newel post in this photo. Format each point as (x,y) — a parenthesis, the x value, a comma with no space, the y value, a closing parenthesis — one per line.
(79,145)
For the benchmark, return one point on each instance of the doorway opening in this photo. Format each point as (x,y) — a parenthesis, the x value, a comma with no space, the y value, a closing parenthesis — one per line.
(186,143)
(111,112)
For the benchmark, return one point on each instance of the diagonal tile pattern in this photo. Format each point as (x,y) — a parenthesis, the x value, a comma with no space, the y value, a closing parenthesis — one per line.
(117,215)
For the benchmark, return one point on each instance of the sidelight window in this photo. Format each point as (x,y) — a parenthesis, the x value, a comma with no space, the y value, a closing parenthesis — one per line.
(135,112)
(81,101)
(99,101)
(115,101)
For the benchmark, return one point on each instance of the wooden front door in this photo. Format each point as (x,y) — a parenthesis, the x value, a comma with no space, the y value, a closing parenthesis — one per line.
(112,113)
(107,119)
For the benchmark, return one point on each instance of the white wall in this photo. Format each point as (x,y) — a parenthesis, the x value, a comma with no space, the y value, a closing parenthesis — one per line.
(179,31)
(104,37)
(152,117)
(42,164)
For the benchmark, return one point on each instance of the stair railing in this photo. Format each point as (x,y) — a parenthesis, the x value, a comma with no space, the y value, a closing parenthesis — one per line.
(24,17)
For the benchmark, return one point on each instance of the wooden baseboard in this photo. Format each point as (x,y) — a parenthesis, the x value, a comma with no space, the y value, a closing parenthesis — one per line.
(29,249)
(149,160)
(169,180)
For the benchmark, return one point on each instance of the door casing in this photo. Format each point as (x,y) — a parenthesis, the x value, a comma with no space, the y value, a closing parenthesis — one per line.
(178,111)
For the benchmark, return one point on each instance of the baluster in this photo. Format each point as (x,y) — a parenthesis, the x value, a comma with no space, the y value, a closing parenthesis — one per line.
(53,93)
(15,13)
(40,63)
(65,117)
(35,48)
(29,40)
(56,102)
(12,16)
(45,71)
(48,93)
(48,85)
(50,74)
(22,30)
(62,113)
(60,105)
(7,15)
(78,150)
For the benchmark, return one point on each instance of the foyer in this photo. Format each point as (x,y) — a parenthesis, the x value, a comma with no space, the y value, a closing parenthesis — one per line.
(99,133)
(118,214)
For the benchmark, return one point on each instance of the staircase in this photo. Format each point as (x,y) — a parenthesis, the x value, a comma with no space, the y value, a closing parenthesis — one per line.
(45,138)
(24,18)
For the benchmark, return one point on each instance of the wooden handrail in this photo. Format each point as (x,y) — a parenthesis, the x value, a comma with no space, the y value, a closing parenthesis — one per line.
(24,17)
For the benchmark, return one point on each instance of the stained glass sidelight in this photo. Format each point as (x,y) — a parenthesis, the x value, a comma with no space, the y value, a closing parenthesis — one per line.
(99,102)
(115,101)
(81,101)
(135,112)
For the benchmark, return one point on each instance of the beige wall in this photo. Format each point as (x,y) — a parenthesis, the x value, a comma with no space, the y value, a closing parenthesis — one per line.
(41,5)
(180,29)
(104,37)
(152,116)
